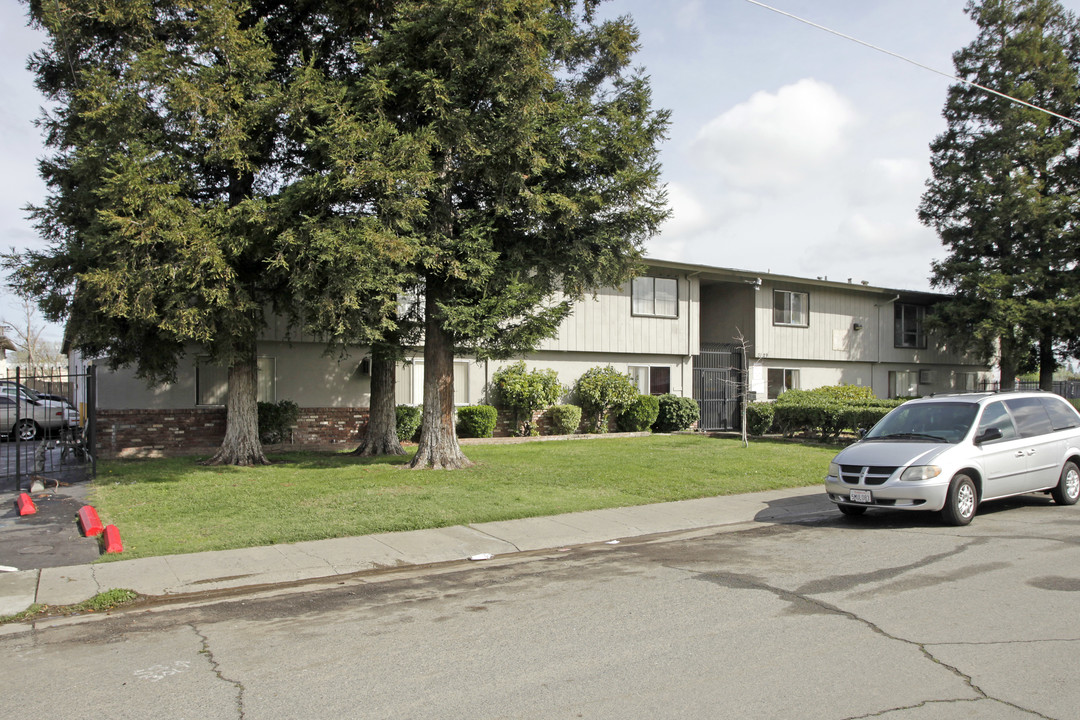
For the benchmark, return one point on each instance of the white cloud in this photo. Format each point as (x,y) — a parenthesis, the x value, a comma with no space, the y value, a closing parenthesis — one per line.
(775,140)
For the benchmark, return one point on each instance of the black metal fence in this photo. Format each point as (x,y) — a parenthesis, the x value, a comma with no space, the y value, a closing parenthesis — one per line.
(718,385)
(48,424)
(1065,388)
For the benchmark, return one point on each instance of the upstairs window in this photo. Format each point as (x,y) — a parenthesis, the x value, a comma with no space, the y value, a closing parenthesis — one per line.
(791,308)
(909,331)
(655,296)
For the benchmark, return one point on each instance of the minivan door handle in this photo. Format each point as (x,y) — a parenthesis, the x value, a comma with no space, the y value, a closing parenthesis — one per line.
(1031,451)
(1019,453)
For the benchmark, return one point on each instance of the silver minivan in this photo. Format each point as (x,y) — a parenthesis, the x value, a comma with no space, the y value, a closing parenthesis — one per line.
(952,452)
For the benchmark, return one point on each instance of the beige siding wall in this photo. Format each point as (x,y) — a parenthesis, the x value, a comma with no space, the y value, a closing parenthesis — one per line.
(938,378)
(569,366)
(831,333)
(606,324)
(303,374)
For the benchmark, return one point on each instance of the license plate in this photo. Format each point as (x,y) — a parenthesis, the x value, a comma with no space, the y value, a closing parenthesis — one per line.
(861,496)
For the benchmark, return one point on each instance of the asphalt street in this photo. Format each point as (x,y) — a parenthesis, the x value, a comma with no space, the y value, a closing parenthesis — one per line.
(820,616)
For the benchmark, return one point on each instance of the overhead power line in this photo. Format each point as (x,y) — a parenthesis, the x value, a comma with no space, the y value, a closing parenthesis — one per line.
(913,62)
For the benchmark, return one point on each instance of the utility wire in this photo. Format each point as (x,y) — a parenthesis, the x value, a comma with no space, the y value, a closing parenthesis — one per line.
(913,62)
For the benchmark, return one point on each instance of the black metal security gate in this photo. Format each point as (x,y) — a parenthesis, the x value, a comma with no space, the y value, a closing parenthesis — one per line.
(47,429)
(718,381)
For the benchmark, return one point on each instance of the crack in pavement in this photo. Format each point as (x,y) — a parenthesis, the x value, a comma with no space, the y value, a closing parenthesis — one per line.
(741,581)
(216,668)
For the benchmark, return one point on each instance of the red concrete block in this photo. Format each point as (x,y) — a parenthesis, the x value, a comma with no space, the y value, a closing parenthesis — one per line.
(88,519)
(25,505)
(112,540)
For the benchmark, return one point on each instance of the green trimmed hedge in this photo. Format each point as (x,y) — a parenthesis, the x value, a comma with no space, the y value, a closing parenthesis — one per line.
(564,419)
(408,421)
(759,417)
(676,413)
(640,414)
(828,411)
(476,421)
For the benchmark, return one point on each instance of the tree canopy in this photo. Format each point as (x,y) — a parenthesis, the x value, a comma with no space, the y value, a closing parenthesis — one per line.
(544,181)
(1003,195)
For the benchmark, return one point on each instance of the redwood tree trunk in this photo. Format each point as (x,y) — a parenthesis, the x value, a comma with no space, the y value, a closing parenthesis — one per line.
(381,438)
(438,446)
(241,445)
(1047,364)
(1007,364)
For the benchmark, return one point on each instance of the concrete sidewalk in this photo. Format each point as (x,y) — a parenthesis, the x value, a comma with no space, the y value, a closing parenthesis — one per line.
(229,569)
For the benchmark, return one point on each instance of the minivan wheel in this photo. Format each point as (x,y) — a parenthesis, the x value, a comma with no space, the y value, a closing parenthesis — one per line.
(1068,488)
(852,510)
(961,501)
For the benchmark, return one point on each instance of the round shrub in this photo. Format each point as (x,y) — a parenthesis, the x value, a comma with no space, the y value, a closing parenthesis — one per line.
(525,393)
(601,391)
(640,415)
(676,413)
(408,421)
(564,419)
(759,418)
(476,421)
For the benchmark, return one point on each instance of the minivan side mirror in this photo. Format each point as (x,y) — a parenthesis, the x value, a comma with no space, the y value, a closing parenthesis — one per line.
(991,433)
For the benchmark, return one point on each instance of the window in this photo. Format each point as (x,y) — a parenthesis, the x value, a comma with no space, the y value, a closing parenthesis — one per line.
(903,384)
(651,380)
(461,383)
(967,381)
(791,308)
(1061,413)
(1030,416)
(908,330)
(212,381)
(996,416)
(781,380)
(655,296)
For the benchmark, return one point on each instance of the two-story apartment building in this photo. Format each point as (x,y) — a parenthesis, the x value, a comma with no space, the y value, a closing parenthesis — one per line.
(673,330)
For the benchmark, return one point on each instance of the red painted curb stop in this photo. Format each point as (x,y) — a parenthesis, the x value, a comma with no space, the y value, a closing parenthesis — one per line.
(112,540)
(88,519)
(25,504)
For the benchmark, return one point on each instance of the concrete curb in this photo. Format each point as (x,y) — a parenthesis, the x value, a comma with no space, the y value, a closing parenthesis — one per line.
(258,566)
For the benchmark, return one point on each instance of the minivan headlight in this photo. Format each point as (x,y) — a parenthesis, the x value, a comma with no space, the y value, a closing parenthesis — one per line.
(921,472)
(834,469)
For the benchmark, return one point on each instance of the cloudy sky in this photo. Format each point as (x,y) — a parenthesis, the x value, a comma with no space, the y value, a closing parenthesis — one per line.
(791,150)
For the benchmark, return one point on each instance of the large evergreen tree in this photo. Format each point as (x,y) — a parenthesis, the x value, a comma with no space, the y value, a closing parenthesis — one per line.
(1003,196)
(167,149)
(544,181)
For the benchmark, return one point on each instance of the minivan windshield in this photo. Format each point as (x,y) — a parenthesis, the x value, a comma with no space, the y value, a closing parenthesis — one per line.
(926,422)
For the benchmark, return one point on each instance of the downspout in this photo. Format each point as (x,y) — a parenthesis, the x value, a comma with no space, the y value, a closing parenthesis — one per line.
(877,362)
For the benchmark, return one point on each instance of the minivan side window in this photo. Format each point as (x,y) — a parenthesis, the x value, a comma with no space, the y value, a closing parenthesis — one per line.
(996,416)
(1061,413)
(1030,415)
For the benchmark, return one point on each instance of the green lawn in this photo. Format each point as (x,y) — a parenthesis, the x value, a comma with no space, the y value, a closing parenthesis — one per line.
(178,506)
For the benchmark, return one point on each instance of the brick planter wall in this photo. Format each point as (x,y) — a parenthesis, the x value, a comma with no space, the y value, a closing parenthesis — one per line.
(128,433)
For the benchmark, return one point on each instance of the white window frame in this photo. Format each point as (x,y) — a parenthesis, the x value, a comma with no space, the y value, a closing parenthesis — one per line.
(788,381)
(642,377)
(644,301)
(903,383)
(265,381)
(461,390)
(789,314)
